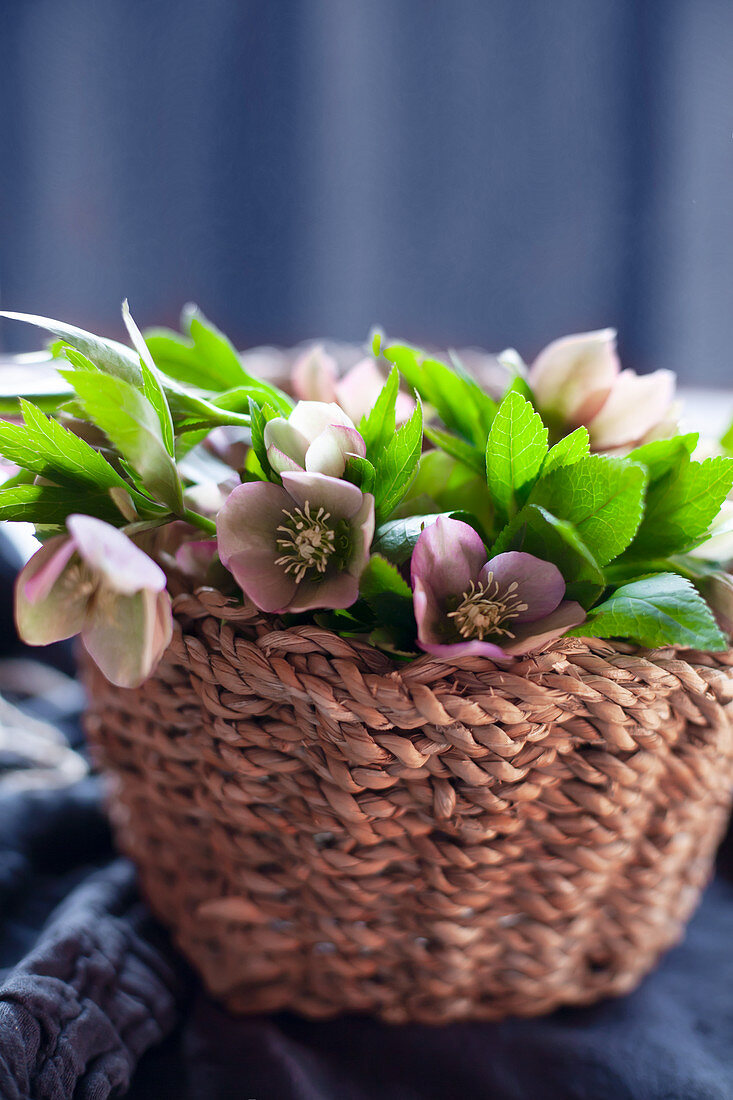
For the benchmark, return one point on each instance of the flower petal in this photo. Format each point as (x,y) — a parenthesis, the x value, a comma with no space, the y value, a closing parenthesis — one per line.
(466,649)
(635,405)
(327,453)
(266,584)
(342,499)
(530,637)
(314,375)
(359,388)
(310,418)
(539,584)
(249,519)
(282,438)
(341,590)
(50,605)
(362,533)
(125,567)
(571,376)
(447,557)
(124,634)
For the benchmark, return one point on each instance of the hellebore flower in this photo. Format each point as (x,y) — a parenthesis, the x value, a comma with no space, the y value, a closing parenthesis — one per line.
(97,583)
(464,604)
(316,437)
(578,380)
(315,377)
(298,546)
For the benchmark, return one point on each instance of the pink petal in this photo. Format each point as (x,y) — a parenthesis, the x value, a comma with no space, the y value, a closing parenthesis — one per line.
(635,405)
(465,649)
(571,376)
(404,407)
(540,584)
(195,556)
(340,590)
(125,567)
(50,605)
(123,634)
(327,453)
(314,376)
(45,567)
(531,637)
(447,557)
(249,518)
(267,585)
(310,418)
(359,389)
(282,437)
(280,461)
(340,498)
(362,533)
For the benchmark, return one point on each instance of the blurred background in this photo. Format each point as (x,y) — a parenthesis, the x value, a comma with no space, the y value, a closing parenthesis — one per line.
(460,172)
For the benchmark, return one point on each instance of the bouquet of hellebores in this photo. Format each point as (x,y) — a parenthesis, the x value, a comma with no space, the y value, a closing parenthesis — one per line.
(451,505)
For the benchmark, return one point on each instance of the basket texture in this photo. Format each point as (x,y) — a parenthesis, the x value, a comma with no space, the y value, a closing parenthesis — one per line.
(327,831)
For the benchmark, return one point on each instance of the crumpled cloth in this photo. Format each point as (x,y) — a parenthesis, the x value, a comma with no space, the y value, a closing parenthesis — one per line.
(93,1002)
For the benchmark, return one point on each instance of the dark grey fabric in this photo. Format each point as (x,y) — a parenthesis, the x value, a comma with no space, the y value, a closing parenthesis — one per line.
(459,171)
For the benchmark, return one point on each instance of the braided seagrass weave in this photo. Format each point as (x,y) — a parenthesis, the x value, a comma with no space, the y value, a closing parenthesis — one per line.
(327,831)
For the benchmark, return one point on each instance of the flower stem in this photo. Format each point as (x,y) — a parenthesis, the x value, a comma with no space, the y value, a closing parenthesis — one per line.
(197,520)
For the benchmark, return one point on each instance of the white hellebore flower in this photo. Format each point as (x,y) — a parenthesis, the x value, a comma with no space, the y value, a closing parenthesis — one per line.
(317,437)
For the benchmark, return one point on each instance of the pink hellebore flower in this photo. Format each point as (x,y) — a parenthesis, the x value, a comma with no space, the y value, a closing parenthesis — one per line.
(578,380)
(315,377)
(97,583)
(464,604)
(316,437)
(298,546)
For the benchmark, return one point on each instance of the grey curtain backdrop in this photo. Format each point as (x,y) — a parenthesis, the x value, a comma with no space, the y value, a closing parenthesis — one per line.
(462,171)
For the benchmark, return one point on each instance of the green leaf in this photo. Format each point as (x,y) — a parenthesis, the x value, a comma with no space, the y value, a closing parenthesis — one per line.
(258,420)
(109,355)
(664,609)
(459,401)
(378,427)
(515,448)
(681,505)
(46,448)
(152,385)
(536,531)
(360,471)
(726,440)
(520,386)
(389,597)
(50,505)
(453,445)
(395,467)
(395,539)
(129,420)
(662,456)
(443,484)
(568,451)
(601,497)
(237,399)
(33,376)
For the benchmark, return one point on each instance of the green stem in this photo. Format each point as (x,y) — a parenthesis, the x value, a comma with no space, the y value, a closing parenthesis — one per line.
(197,520)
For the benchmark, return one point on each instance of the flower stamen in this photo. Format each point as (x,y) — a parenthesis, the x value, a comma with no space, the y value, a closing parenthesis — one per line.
(307,543)
(484,608)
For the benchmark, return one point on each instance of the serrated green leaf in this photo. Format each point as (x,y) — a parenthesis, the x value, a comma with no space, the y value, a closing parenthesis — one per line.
(681,505)
(50,505)
(570,449)
(601,497)
(443,484)
(459,401)
(662,456)
(536,531)
(389,597)
(46,448)
(258,419)
(664,609)
(111,356)
(395,466)
(516,446)
(453,445)
(378,427)
(129,420)
(360,471)
(152,384)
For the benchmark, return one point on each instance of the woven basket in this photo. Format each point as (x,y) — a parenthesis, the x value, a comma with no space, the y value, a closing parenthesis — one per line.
(326,831)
